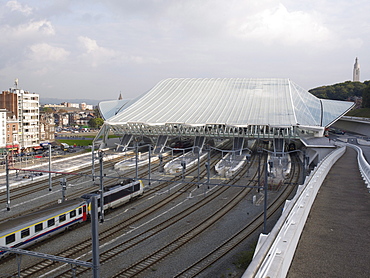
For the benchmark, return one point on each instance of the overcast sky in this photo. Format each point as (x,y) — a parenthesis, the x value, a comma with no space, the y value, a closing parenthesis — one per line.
(97,49)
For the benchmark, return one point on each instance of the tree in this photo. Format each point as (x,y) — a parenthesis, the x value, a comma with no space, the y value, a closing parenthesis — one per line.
(96,122)
(48,110)
(366,97)
(97,113)
(340,91)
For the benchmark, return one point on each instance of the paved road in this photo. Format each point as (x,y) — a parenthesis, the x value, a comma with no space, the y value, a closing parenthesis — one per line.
(336,238)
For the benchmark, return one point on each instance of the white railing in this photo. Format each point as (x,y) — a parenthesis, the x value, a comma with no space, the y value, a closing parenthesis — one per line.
(362,164)
(355,118)
(275,251)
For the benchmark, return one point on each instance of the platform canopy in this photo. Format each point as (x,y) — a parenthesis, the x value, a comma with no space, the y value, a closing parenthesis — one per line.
(214,105)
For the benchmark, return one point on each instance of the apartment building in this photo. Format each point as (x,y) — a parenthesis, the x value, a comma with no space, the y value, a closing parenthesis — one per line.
(24,107)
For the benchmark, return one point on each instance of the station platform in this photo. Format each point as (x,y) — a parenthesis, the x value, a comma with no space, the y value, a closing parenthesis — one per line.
(336,237)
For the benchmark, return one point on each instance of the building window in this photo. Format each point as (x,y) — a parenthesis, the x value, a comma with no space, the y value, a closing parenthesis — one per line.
(51,222)
(25,233)
(9,239)
(72,214)
(62,218)
(38,227)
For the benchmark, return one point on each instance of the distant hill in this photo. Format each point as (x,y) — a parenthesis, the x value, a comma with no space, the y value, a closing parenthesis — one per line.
(46,100)
(340,91)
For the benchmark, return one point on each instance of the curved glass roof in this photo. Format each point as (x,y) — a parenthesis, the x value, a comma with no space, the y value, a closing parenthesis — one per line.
(239,102)
(113,107)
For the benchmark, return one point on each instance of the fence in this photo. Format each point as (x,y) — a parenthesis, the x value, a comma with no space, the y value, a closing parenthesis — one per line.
(362,164)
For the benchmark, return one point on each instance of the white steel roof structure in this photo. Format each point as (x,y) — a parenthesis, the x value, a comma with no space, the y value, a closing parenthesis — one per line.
(113,107)
(244,107)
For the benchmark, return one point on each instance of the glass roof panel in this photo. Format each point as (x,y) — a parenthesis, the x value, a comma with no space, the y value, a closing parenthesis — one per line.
(230,101)
(333,109)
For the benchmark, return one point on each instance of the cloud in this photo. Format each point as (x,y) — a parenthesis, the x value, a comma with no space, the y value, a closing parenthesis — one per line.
(355,43)
(135,43)
(282,26)
(44,52)
(28,30)
(144,60)
(97,55)
(16,6)
(42,26)
(94,53)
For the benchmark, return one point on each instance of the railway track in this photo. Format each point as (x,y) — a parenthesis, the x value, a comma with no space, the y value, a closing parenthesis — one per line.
(32,188)
(149,261)
(196,269)
(83,247)
(35,186)
(152,232)
(106,256)
(27,189)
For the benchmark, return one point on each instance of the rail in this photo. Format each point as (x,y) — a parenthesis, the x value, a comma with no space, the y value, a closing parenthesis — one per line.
(275,251)
(362,164)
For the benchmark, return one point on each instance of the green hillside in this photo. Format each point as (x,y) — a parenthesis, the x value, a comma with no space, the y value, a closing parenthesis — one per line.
(361,112)
(341,91)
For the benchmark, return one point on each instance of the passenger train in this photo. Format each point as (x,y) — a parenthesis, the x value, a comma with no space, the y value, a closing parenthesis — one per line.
(26,230)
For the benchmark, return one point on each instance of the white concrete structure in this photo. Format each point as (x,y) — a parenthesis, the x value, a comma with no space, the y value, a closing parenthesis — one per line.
(29,118)
(356,71)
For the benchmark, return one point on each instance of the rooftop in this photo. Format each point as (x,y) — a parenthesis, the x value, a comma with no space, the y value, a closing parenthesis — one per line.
(232,101)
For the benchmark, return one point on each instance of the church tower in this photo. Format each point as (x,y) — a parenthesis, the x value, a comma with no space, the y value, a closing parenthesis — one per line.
(356,71)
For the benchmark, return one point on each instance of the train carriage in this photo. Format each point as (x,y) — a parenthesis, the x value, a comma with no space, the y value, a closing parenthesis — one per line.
(31,228)
(119,194)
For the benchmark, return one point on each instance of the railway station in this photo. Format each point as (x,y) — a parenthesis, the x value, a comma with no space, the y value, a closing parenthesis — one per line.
(276,111)
(230,125)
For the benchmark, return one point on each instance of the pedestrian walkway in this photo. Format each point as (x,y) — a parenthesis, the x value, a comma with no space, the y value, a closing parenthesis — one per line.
(336,237)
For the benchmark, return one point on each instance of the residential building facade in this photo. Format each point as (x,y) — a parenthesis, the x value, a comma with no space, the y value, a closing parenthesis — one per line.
(2,128)
(47,127)
(12,134)
(24,106)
